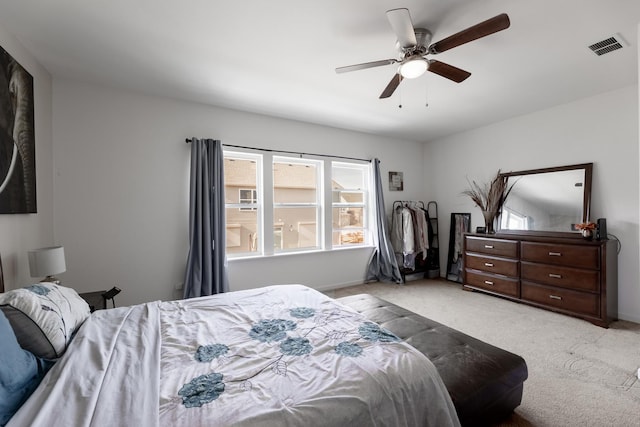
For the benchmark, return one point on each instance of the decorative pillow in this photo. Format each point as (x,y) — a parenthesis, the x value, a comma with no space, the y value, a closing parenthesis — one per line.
(20,372)
(44,317)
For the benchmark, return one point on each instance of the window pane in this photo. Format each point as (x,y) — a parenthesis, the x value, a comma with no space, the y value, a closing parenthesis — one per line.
(242,227)
(348,197)
(348,217)
(294,183)
(239,179)
(299,227)
(349,183)
(347,177)
(341,238)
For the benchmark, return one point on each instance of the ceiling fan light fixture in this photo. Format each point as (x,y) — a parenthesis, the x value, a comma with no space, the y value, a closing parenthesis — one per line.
(413,67)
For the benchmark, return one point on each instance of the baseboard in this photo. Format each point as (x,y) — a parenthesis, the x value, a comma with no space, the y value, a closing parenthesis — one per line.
(629,317)
(333,286)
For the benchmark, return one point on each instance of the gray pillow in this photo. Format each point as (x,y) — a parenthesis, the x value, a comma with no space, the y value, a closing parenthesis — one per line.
(28,333)
(44,317)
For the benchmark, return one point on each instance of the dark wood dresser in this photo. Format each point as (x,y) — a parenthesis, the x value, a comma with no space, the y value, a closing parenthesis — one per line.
(569,275)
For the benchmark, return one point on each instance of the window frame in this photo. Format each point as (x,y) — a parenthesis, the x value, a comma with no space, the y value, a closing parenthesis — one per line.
(317,204)
(257,206)
(265,205)
(365,205)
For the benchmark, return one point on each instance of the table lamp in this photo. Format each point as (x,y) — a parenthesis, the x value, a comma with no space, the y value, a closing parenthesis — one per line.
(47,262)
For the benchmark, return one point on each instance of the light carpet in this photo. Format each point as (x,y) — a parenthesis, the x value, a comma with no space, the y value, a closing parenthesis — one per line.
(579,374)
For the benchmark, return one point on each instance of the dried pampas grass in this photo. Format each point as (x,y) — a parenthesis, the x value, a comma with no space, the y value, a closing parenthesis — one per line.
(490,197)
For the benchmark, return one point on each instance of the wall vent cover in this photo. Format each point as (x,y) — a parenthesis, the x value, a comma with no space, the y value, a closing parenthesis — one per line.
(606,46)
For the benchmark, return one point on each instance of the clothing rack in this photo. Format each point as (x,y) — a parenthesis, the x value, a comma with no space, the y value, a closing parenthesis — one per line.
(408,203)
(414,238)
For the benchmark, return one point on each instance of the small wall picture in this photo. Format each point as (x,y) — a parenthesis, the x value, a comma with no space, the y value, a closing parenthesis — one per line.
(17,142)
(395,181)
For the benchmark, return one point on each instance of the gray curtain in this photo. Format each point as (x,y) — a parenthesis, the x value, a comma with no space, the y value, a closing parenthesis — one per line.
(383,265)
(207,263)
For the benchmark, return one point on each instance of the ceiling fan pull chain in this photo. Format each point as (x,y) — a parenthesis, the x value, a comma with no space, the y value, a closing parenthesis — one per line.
(426,92)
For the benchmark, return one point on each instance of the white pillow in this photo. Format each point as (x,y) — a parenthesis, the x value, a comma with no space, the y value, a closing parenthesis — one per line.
(53,310)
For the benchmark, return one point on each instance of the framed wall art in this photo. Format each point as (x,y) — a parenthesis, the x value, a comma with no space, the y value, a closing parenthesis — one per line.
(395,181)
(17,138)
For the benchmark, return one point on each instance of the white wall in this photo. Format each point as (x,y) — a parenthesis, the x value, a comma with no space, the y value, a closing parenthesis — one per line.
(121,189)
(602,129)
(22,232)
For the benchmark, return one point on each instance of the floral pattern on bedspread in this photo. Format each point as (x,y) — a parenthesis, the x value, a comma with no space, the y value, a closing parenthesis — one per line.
(250,360)
(201,390)
(206,353)
(207,388)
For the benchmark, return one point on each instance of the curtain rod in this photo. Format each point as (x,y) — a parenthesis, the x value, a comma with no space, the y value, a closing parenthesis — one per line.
(188,140)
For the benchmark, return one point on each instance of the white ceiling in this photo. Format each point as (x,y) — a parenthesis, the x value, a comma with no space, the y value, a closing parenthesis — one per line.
(278,57)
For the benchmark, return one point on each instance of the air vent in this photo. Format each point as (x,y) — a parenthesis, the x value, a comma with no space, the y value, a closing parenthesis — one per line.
(606,46)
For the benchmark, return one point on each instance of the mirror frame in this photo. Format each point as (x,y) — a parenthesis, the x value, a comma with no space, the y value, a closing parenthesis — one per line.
(586,202)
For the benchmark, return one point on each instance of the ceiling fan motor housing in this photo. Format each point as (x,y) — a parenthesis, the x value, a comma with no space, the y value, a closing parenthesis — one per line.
(423,39)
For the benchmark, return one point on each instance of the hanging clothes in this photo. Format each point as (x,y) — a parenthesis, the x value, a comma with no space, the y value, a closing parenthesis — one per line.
(409,233)
(402,237)
(421,234)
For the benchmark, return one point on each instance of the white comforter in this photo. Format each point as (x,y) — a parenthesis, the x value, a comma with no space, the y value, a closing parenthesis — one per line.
(275,356)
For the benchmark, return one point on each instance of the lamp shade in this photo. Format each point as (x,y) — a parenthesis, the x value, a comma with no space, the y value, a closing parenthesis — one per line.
(47,261)
(413,67)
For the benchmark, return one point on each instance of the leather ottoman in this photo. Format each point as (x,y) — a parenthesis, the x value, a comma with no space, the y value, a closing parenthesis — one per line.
(484,381)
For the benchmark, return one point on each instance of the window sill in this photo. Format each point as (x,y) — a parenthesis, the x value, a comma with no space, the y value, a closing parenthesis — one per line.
(300,253)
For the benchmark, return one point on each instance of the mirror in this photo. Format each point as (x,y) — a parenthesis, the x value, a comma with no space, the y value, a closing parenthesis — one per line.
(549,200)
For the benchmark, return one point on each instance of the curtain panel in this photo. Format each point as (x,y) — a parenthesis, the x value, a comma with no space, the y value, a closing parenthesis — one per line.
(383,265)
(206,272)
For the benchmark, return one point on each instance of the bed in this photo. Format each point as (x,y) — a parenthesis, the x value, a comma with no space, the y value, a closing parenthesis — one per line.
(281,355)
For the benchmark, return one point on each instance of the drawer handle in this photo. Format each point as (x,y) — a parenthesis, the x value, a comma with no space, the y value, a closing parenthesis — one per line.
(488,264)
(555,297)
(555,254)
(488,246)
(488,282)
(555,276)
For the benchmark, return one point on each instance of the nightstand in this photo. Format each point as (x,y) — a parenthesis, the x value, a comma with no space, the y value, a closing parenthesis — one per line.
(95,300)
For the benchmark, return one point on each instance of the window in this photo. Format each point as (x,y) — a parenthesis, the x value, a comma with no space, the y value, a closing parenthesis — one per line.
(242,181)
(349,208)
(248,196)
(296,202)
(513,220)
(289,194)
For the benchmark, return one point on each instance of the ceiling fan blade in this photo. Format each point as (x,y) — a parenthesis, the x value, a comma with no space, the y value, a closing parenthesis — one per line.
(401,24)
(490,26)
(448,71)
(391,87)
(366,65)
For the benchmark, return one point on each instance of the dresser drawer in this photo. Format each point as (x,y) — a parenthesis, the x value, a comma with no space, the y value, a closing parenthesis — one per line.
(496,247)
(559,254)
(565,277)
(574,301)
(502,285)
(505,266)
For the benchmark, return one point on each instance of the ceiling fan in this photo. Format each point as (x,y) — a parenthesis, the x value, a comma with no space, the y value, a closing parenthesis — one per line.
(413,47)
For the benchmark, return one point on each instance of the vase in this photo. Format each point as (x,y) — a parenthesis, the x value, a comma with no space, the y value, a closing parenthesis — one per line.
(489,216)
(587,234)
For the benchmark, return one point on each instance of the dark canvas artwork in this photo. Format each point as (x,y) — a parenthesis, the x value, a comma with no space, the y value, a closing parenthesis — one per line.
(17,138)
